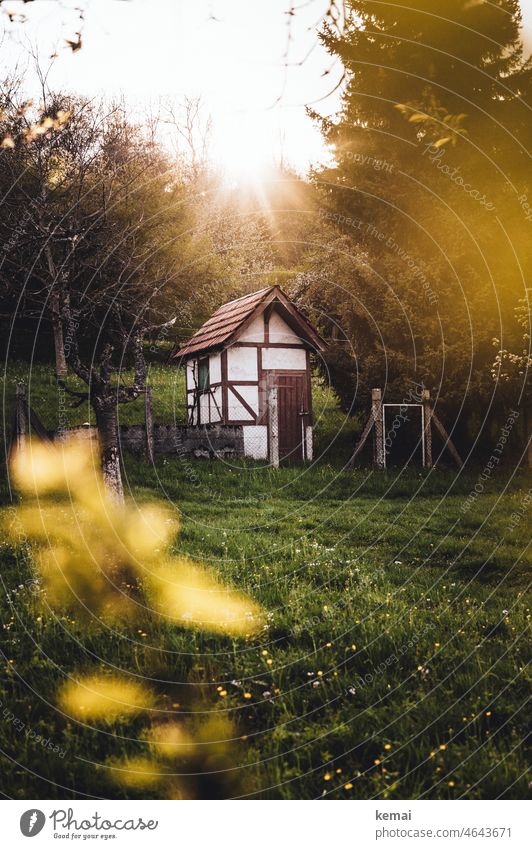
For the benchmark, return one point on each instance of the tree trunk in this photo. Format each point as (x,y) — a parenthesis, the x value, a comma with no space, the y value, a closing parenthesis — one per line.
(61,368)
(107,422)
(528,429)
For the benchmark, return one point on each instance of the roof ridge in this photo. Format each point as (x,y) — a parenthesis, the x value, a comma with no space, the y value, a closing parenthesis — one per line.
(229,318)
(249,295)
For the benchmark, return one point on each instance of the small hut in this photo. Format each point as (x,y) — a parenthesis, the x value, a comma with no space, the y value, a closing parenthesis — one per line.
(249,365)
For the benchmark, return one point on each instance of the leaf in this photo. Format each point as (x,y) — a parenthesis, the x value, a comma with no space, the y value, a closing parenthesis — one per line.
(441,142)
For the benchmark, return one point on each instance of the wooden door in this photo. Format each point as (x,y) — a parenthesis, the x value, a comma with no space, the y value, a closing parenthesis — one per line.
(294,414)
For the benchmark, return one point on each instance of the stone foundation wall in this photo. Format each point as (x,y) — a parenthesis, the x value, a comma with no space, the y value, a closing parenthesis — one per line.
(208,441)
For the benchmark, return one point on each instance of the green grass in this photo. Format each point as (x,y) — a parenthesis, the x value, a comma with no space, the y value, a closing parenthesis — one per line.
(337,559)
(46,398)
(334,431)
(430,703)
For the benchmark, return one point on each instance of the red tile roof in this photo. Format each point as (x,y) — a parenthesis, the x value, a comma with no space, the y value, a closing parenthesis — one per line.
(227,319)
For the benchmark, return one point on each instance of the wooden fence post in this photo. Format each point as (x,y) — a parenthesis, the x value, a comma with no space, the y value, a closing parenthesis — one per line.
(21,418)
(148,417)
(273,426)
(427,428)
(378,433)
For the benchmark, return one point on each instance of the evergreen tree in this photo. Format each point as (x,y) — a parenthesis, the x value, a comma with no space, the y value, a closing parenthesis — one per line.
(430,184)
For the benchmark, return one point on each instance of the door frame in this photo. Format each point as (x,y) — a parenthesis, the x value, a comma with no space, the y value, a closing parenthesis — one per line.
(270,377)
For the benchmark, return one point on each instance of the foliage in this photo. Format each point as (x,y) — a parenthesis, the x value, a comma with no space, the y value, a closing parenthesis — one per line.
(109,565)
(424,211)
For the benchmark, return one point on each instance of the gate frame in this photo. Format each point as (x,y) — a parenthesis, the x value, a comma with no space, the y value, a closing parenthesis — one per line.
(424,459)
(376,423)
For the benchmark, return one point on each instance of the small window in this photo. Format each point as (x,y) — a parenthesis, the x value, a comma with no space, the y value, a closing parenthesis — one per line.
(203,375)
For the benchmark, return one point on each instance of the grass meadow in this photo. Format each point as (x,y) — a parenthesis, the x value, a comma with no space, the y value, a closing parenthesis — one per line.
(394,661)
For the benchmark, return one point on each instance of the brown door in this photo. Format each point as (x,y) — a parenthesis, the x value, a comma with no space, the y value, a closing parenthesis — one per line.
(293,411)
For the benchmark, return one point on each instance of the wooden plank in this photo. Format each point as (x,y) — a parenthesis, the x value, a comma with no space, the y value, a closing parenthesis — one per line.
(362,441)
(448,443)
(427,428)
(148,420)
(379,456)
(273,426)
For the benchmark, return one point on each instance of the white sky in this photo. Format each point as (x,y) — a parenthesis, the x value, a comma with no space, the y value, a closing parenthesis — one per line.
(231,52)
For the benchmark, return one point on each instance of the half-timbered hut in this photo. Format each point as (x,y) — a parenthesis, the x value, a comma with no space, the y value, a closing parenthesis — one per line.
(249,365)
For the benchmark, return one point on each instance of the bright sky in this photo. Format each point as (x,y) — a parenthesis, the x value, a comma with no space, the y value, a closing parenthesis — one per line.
(232,52)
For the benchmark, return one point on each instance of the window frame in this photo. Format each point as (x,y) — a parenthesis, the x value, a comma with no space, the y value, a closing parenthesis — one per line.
(204,386)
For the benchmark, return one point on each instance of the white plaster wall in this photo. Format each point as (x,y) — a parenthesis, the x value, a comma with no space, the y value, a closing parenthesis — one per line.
(251,395)
(284,358)
(256,441)
(190,374)
(236,410)
(242,364)
(255,331)
(215,368)
(190,402)
(204,408)
(216,396)
(280,331)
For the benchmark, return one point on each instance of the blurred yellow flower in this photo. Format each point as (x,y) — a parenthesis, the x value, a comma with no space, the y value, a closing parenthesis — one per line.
(190,596)
(99,698)
(170,740)
(136,773)
(41,468)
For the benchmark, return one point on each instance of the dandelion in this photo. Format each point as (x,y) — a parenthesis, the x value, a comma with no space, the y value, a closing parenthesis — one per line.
(387,746)
(348,786)
(327,776)
(269,661)
(248,695)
